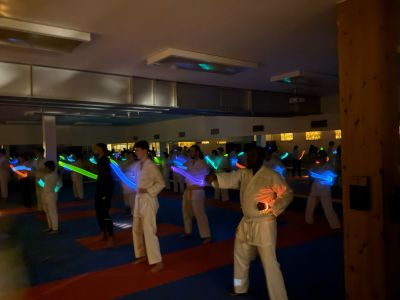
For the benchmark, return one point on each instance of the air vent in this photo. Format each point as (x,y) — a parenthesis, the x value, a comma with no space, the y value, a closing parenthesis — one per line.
(36,36)
(195,61)
(319,124)
(182,134)
(258,128)
(214,131)
(156,136)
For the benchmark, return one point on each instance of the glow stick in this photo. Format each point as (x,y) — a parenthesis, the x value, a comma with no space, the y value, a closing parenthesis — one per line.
(156,160)
(327,177)
(179,161)
(239,166)
(241,153)
(193,179)
(302,154)
(23,175)
(210,162)
(226,155)
(280,170)
(71,159)
(93,160)
(14,161)
(285,155)
(334,152)
(62,157)
(234,161)
(21,168)
(77,170)
(122,176)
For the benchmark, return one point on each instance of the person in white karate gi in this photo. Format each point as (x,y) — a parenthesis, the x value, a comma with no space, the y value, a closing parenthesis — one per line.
(39,170)
(194,196)
(77,179)
(321,191)
(149,183)
(4,172)
(178,180)
(49,195)
(264,195)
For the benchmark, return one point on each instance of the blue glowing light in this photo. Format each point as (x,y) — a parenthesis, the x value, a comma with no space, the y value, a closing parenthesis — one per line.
(122,176)
(285,155)
(326,177)
(234,161)
(206,67)
(21,168)
(71,159)
(56,188)
(334,152)
(14,161)
(179,162)
(280,170)
(196,180)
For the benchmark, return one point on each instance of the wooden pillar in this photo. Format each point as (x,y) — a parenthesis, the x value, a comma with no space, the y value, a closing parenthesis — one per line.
(370,146)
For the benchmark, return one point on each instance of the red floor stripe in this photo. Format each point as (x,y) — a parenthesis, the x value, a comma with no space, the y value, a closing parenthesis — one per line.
(112,283)
(16,211)
(124,237)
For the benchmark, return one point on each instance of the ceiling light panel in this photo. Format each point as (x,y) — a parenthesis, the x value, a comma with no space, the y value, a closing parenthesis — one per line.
(201,62)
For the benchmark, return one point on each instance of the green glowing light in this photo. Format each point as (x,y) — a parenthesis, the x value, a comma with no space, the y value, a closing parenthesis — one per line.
(287,80)
(206,67)
(78,170)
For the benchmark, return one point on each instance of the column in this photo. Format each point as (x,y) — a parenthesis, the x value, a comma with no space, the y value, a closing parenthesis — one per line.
(49,137)
(370,145)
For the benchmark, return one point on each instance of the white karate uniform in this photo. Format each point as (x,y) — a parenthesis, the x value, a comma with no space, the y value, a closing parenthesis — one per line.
(321,192)
(193,203)
(273,163)
(49,199)
(4,172)
(39,171)
(257,230)
(128,193)
(77,181)
(144,230)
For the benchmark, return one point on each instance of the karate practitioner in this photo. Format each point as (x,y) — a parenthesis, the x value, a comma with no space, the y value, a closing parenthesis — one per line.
(296,163)
(264,195)
(77,180)
(49,195)
(104,192)
(321,191)
(39,170)
(128,168)
(4,172)
(149,183)
(194,196)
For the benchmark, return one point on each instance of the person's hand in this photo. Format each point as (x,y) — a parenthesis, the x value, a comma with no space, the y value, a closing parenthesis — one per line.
(211,177)
(142,191)
(262,206)
(267,196)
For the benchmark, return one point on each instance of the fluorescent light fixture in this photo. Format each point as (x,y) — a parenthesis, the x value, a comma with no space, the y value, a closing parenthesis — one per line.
(38,36)
(196,61)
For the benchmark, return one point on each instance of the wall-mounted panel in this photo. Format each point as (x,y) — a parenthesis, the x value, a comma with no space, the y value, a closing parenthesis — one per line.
(77,85)
(143,93)
(15,80)
(191,96)
(164,94)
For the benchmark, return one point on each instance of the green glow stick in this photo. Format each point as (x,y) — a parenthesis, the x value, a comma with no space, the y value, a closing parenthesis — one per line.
(78,170)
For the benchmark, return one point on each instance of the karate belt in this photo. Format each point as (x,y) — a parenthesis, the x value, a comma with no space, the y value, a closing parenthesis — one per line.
(249,225)
(189,189)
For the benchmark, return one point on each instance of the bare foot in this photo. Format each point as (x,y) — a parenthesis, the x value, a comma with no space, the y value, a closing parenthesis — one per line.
(140,260)
(157,267)
(207,240)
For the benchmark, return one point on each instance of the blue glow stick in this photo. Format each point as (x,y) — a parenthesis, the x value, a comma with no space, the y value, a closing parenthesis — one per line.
(327,177)
(71,159)
(280,170)
(14,161)
(285,155)
(122,176)
(334,152)
(234,161)
(179,161)
(21,168)
(194,180)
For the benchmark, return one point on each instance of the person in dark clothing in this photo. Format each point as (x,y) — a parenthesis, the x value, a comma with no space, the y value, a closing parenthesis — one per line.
(296,161)
(25,184)
(104,192)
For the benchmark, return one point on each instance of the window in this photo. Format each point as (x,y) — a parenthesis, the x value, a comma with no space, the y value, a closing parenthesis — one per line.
(285,137)
(313,135)
(205,142)
(338,134)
